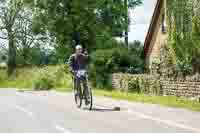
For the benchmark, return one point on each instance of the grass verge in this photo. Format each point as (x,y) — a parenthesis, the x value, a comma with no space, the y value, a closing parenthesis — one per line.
(170,101)
(27,77)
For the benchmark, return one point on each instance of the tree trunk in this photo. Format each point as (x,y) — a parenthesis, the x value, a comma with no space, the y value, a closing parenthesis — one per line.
(127,23)
(11,56)
(25,53)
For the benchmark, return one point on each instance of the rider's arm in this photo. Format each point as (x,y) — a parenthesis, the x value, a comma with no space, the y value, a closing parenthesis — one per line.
(86,55)
(70,63)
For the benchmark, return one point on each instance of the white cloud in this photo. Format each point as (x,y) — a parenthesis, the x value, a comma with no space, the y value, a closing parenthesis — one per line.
(141,18)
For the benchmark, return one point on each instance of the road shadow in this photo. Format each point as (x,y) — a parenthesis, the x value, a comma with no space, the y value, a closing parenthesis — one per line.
(101,109)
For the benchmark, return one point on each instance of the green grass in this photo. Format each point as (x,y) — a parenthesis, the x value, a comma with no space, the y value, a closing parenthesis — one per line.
(170,101)
(26,76)
(22,81)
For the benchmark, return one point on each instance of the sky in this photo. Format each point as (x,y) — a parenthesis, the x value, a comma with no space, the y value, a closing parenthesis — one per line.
(141,18)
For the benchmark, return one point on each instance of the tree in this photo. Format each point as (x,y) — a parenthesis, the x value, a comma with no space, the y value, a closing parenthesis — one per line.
(17,27)
(67,20)
(9,11)
(115,15)
(137,55)
(82,21)
(26,39)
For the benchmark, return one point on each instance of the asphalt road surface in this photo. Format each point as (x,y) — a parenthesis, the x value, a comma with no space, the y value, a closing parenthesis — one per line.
(52,112)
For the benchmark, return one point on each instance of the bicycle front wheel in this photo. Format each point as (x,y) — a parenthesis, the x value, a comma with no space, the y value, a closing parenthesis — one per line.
(89,99)
(78,96)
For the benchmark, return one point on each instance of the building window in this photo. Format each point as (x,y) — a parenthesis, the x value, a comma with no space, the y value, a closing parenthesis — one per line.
(164,26)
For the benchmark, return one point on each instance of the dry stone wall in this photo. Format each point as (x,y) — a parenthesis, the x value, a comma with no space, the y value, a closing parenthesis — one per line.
(186,87)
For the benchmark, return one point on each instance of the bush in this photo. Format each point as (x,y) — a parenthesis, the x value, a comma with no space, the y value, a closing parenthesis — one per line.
(49,78)
(145,84)
(45,81)
(101,67)
(106,62)
(184,67)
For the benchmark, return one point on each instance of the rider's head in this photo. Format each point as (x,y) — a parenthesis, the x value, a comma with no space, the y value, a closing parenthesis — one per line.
(79,49)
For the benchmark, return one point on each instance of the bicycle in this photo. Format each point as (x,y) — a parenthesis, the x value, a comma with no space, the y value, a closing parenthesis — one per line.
(80,84)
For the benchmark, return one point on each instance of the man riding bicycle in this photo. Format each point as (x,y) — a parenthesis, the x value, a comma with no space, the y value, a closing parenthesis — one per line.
(79,61)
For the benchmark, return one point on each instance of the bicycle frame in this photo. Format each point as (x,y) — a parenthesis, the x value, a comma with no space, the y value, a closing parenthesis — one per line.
(78,83)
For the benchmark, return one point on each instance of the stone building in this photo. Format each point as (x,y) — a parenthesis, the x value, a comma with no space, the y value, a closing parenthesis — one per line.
(156,36)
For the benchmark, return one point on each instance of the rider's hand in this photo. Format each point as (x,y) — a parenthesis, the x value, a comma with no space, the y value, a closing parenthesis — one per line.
(85,52)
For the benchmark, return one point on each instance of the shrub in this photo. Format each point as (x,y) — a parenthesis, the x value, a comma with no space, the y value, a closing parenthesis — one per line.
(105,62)
(101,67)
(184,67)
(134,85)
(145,84)
(45,81)
(49,78)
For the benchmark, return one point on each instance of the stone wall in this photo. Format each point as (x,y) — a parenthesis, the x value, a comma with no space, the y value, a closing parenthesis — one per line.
(185,88)
(120,81)
(137,83)
(153,84)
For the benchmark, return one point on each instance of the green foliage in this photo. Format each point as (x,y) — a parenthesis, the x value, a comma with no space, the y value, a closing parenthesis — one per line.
(196,31)
(143,84)
(106,42)
(107,61)
(101,67)
(111,60)
(134,85)
(184,67)
(40,56)
(137,58)
(183,27)
(45,81)
(66,19)
(113,14)
(9,14)
(82,21)
(23,78)
(184,38)
(39,77)
(48,78)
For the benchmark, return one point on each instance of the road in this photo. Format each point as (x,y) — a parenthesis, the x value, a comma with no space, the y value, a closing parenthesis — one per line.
(52,112)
